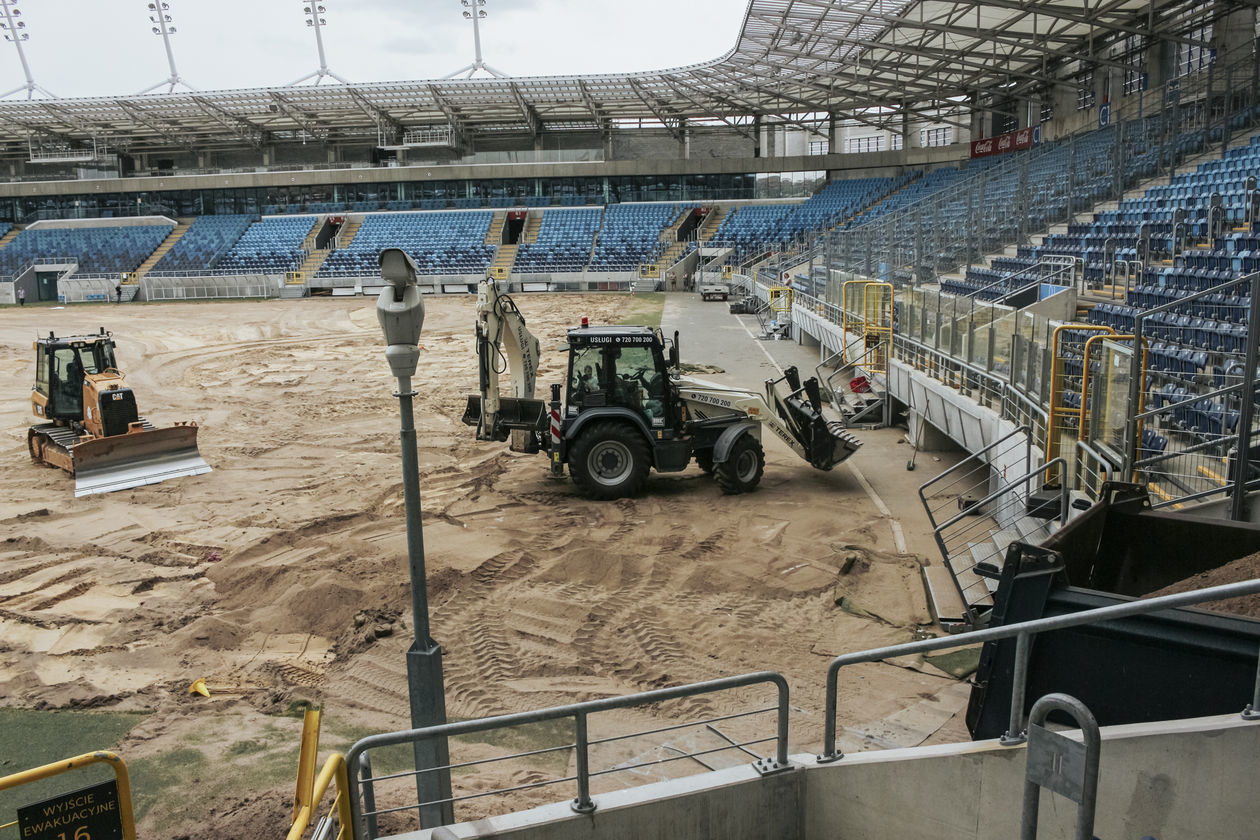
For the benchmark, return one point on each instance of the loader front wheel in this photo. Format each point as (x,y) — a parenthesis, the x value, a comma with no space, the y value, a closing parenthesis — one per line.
(609,461)
(742,470)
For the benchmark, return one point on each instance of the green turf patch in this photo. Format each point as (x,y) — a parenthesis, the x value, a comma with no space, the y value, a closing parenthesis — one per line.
(957,663)
(645,310)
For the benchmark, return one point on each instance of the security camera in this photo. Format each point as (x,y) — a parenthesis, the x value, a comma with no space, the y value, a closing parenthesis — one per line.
(400,310)
(398,269)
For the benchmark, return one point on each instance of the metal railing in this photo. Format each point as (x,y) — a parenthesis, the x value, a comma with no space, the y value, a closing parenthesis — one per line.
(980,529)
(986,388)
(1206,431)
(1047,269)
(363,789)
(965,487)
(1024,632)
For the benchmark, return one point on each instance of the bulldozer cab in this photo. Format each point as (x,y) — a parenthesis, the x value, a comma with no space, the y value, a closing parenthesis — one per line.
(619,366)
(60,367)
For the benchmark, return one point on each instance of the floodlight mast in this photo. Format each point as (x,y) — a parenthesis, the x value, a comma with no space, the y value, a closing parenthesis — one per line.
(315,20)
(12,28)
(161,26)
(474,12)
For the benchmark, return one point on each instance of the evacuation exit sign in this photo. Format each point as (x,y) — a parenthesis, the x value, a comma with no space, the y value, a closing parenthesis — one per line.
(88,814)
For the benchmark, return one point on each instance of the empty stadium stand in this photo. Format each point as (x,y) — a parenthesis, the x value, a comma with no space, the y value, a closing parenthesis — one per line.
(96,250)
(444,242)
(268,246)
(564,243)
(630,235)
(203,244)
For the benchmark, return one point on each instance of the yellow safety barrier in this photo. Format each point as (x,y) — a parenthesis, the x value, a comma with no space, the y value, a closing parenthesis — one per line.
(69,826)
(780,298)
(849,309)
(1141,406)
(649,270)
(333,773)
(294,277)
(498,272)
(1056,413)
(877,325)
(311,788)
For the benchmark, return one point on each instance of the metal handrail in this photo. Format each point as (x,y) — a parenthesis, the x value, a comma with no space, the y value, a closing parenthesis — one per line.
(1023,632)
(1046,260)
(1083,451)
(579,712)
(1020,430)
(1132,438)
(938,531)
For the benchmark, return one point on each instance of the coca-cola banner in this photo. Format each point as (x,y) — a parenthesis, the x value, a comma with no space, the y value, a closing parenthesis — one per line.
(1009,142)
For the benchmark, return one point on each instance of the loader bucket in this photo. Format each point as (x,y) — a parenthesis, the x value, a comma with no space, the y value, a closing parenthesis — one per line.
(515,414)
(131,460)
(826,442)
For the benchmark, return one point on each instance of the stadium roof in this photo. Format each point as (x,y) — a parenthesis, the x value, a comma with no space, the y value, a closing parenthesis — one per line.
(795,61)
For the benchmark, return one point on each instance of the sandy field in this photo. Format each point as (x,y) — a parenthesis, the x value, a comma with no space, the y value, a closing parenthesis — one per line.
(281,576)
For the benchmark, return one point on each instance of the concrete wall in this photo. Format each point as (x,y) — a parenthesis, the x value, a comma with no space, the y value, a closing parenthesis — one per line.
(1186,779)
(1182,779)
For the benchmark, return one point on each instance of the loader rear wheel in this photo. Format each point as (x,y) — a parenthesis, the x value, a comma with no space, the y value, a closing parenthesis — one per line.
(609,460)
(742,470)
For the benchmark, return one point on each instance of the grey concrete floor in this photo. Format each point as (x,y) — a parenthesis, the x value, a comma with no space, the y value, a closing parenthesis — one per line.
(710,335)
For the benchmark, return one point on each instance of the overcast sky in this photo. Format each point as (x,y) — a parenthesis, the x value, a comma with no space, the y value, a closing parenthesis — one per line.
(106,47)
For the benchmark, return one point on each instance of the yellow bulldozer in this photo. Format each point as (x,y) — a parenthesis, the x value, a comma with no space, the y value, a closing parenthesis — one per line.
(92,428)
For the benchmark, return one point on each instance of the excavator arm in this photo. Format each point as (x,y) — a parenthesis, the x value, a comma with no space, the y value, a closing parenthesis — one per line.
(505,345)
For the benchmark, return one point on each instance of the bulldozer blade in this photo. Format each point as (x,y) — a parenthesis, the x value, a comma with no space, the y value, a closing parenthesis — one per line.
(131,460)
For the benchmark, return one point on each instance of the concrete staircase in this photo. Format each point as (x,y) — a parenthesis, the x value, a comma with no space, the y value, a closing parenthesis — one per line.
(711,223)
(348,230)
(10,236)
(312,263)
(504,259)
(181,227)
(529,233)
(494,235)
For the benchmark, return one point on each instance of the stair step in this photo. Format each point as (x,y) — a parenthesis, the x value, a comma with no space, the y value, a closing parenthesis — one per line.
(990,555)
(1003,539)
(942,595)
(975,588)
(1031,530)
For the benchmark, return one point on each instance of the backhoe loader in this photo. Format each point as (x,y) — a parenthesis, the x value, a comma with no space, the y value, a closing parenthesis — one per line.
(628,408)
(92,428)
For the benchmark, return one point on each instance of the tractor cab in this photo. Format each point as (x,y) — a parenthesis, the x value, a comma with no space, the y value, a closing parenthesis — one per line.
(60,366)
(623,367)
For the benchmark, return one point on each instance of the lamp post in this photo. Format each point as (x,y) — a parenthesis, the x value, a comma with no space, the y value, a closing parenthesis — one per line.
(13,32)
(316,21)
(400,310)
(162,25)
